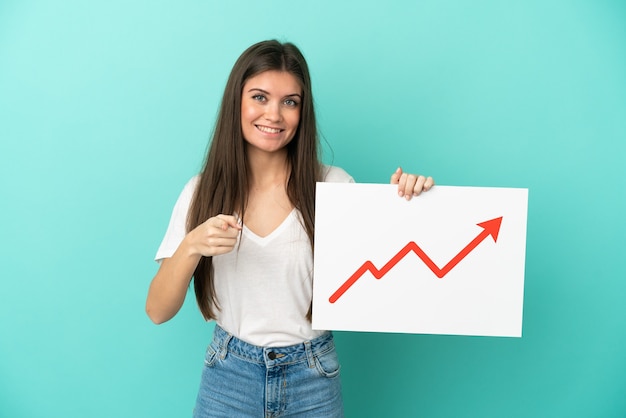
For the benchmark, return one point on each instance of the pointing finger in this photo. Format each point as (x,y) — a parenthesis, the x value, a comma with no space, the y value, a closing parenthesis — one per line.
(402,181)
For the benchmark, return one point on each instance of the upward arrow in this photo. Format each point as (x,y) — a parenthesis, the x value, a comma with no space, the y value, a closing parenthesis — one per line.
(491,227)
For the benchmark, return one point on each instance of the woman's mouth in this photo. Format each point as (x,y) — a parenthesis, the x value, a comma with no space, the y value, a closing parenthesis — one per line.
(268,130)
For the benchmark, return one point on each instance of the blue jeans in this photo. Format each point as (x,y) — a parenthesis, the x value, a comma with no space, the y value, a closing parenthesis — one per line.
(244,380)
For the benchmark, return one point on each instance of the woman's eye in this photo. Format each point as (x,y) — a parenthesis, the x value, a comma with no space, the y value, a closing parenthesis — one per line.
(258,98)
(291,103)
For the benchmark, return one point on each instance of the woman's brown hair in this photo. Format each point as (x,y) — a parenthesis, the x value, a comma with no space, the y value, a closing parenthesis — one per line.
(223,185)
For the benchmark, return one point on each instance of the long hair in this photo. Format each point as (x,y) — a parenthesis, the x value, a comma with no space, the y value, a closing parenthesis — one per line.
(223,186)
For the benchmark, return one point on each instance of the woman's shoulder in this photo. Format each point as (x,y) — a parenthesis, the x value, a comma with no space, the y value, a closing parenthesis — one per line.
(332,174)
(189,188)
(192,183)
(186,194)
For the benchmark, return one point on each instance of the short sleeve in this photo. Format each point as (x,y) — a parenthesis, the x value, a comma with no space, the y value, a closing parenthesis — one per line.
(331,174)
(177,228)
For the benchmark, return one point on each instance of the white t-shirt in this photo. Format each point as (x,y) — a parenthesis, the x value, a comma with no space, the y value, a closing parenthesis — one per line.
(265,285)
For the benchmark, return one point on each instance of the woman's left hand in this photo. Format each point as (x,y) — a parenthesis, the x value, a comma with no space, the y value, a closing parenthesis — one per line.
(410,185)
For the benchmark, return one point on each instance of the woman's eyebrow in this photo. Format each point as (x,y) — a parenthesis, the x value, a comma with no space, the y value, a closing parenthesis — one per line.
(259,90)
(269,94)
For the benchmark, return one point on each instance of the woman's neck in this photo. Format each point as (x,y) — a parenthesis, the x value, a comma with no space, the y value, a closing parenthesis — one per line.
(268,169)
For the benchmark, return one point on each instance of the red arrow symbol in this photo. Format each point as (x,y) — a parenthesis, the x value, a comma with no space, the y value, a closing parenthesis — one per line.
(491,227)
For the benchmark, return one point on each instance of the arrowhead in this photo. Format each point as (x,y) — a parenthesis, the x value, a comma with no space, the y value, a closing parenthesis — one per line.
(492,227)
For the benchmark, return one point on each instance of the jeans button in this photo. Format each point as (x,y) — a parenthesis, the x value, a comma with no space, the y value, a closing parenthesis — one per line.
(271,355)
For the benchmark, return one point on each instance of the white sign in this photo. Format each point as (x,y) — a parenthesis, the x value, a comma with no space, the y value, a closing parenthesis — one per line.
(450,261)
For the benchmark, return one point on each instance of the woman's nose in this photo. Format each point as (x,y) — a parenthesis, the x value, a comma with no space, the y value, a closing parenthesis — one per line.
(273,112)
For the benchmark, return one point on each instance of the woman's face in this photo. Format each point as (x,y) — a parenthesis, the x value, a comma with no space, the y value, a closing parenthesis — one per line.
(270,110)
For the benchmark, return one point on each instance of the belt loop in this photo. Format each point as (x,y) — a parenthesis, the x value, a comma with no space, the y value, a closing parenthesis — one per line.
(309,354)
(224,346)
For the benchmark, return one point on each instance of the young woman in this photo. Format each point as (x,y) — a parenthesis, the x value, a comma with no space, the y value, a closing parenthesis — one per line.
(243,230)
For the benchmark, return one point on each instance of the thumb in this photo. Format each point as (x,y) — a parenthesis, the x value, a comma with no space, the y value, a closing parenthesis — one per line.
(395,177)
(229,221)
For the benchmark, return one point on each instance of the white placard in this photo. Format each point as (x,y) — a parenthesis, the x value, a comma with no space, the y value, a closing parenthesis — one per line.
(450,261)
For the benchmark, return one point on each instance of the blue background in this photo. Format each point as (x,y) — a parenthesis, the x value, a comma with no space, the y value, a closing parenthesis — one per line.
(106,108)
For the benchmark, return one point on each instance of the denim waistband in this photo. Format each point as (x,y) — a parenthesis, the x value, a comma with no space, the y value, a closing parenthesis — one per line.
(224,342)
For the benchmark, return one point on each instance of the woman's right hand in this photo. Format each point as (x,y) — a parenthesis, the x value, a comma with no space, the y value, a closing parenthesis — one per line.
(216,236)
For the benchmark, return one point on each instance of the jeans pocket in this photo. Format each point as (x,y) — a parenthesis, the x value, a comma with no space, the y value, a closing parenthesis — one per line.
(210,356)
(327,363)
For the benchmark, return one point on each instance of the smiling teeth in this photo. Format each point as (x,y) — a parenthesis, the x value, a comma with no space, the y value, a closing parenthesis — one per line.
(268,130)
